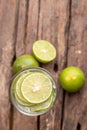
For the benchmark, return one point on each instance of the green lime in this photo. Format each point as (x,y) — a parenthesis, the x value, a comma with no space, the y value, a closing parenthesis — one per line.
(18,88)
(72,79)
(15,79)
(24,61)
(22,102)
(43,106)
(36,88)
(44,51)
(14,82)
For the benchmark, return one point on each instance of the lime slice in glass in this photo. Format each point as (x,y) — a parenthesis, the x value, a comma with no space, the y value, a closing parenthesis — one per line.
(43,106)
(36,88)
(18,88)
(22,102)
(14,82)
(17,77)
(44,51)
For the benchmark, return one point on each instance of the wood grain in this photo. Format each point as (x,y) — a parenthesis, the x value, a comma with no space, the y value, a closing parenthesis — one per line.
(21,28)
(7,39)
(26,35)
(64,24)
(75,109)
(53,26)
(32,25)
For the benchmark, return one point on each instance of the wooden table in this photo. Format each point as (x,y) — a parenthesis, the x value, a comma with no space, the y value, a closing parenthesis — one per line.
(64,24)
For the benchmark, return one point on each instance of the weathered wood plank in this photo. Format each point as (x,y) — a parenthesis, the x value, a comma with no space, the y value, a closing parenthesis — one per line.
(26,35)
(32,25)
(21,31)
(75,110)
(53,26)
(7,39)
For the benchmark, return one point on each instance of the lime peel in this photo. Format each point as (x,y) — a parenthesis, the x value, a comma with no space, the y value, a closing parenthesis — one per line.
(24,61)
(18,88)
(43,106)
(72,79)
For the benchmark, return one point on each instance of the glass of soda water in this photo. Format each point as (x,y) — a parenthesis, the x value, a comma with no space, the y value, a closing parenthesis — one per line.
(33,91)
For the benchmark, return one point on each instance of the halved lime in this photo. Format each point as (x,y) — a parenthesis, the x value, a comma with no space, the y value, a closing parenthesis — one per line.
(24,61)
(36,88)
(43,106)
(44,51)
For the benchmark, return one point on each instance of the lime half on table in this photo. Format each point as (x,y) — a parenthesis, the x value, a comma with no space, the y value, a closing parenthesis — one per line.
(44,51)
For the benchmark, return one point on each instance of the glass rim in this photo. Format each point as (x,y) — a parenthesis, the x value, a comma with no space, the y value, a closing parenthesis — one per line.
(52,78)
(33,67)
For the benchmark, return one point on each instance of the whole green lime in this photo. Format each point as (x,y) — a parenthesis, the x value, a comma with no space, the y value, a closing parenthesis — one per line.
(72,79)
(24,61)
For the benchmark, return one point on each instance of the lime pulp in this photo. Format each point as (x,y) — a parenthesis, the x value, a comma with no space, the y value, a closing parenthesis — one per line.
(38,87)
(44,51)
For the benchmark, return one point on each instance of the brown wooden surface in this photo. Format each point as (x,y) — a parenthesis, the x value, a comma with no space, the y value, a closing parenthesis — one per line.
(64,24)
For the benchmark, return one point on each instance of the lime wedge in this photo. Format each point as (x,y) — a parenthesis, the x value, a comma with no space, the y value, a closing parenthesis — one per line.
(43,106)
(44,51)
(36,88)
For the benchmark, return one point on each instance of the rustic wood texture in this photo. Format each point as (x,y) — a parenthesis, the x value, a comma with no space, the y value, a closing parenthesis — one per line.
(7,40)
(75,108)
(26,35)
(64,24)
(53,24)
